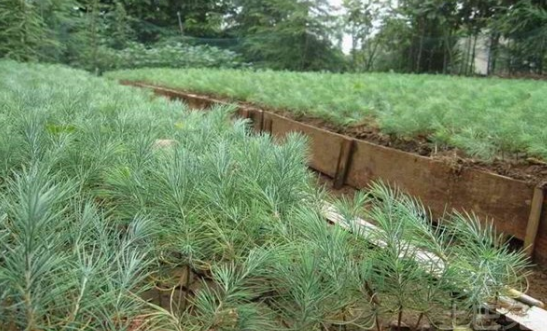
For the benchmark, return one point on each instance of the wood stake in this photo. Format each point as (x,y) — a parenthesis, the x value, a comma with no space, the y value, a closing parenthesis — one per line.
(344,160)
(534,220)
(266,124)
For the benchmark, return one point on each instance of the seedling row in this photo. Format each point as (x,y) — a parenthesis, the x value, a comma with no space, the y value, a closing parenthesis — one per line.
(107,193)
(483,119)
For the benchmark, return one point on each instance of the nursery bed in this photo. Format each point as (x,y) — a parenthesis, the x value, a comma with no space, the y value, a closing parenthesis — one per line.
(512,203)
(109,193)
(483,118)
(529,169)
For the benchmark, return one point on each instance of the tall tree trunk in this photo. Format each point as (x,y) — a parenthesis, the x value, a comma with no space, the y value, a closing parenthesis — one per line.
(493,53)
(465,62)
(420,51)
(94,37)
(473,53)
(541,56)
(445,54)
(510,69)
(370,59)
(304,52)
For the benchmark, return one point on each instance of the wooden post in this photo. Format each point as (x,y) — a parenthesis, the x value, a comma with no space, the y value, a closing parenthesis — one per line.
(266,124)
(243,112)
(534,219)
(259,120)
(342,166)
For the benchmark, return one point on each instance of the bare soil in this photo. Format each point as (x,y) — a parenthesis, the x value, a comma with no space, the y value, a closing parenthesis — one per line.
(537,283)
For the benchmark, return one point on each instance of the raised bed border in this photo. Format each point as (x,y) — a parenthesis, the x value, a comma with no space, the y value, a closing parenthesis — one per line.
(517,208)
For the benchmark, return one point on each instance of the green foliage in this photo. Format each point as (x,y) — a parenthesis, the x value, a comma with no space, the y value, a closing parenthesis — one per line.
(175,55)
(24,33)
(525,27)
(287,35)
(449,111)
(66,262)
(107,191)
(435,36)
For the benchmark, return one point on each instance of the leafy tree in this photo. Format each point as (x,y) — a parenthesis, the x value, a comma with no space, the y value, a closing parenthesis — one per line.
(23,30)
(157,19)
(524,27)
(359,22)
(287,34)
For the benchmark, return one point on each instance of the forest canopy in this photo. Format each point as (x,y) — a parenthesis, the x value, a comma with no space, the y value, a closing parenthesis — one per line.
(434,36)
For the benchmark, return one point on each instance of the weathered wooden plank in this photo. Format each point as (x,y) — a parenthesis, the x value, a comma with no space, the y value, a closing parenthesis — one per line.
(534,220)
(441,188)
(344,161)
(267,123)
(324,145)
(540,246)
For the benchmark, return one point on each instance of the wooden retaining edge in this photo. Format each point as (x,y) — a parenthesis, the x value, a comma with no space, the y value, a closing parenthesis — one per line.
(533,318)
(357,163)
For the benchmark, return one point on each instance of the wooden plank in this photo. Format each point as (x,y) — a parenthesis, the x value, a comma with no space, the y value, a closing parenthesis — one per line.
(243,112)
(258,121)
(344,160)
(266,123)
(534,219)
(324,146)
(533,318)
(540,247)
(442,188)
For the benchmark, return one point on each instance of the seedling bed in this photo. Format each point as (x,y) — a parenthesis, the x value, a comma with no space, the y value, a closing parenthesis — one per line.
(518,207)
(108,193)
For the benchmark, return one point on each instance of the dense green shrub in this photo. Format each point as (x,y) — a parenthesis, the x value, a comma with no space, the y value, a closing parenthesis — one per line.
(174,55)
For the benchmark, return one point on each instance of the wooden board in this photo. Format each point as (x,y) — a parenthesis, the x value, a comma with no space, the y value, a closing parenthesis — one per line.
(540,248)
(505,200)
(324,146)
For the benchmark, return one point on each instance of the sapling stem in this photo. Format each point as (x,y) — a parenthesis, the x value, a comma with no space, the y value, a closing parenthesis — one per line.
(184,287)
(419,321)
(375,303)
(400,318)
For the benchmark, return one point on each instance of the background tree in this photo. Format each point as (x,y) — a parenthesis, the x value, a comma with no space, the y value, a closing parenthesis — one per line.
(523,27)
(287,34)
(358,22)
(419,36)
(24,33)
